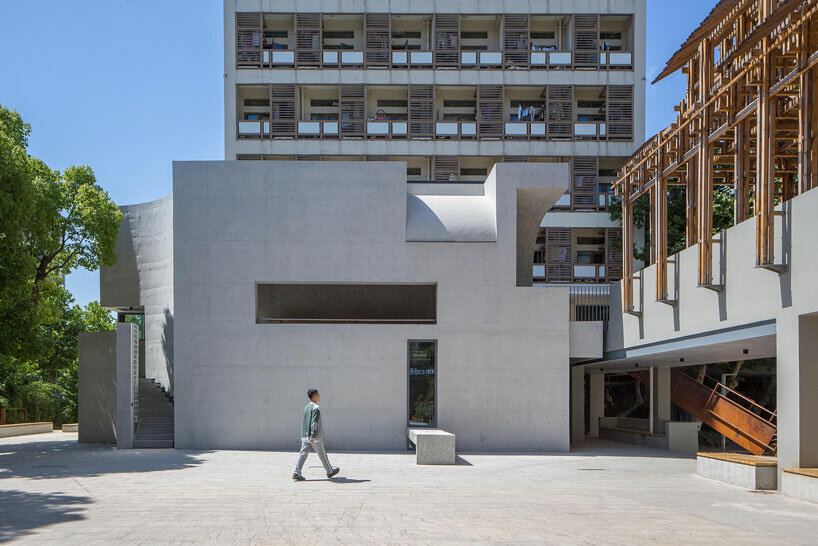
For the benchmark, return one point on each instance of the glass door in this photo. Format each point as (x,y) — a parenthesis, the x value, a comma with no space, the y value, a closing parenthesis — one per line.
(422,356)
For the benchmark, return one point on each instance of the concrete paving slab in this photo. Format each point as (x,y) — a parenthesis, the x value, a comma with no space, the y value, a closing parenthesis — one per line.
(52,489)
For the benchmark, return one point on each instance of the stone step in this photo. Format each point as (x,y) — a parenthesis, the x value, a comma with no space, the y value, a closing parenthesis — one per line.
(156,444)
(154,428)
(154,437)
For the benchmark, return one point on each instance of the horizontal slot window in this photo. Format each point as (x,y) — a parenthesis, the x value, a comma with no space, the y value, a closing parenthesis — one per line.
(285,303)
(392,103)
(336,34)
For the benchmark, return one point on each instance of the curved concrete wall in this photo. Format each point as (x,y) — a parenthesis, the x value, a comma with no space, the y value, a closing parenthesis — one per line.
(143,279)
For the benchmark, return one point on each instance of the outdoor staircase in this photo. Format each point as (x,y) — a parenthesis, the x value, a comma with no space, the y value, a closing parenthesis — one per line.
(155,418)
(728,412)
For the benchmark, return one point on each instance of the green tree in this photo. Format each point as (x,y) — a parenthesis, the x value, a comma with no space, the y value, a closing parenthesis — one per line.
(51,222)
(723,203)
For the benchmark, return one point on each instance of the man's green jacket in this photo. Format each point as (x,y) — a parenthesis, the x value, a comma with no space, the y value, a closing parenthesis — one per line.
(311,423)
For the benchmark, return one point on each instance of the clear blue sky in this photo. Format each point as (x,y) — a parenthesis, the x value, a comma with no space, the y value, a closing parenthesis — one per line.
(127,86)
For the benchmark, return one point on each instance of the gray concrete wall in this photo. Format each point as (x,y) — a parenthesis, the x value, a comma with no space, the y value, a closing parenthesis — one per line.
(502,350)
(142,279)
(97,388)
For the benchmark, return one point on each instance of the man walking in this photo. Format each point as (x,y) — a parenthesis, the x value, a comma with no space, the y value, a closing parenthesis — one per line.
(312,437)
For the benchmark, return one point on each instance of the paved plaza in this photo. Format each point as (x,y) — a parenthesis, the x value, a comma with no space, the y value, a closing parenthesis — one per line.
(54,490)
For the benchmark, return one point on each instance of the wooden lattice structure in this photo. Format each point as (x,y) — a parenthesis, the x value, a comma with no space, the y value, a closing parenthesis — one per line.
(748,122)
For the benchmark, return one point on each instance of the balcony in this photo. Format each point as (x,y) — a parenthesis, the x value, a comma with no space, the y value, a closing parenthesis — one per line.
(451,112)
(434,41)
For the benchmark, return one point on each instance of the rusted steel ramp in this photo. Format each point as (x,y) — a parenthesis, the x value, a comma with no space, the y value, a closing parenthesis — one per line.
(730,413)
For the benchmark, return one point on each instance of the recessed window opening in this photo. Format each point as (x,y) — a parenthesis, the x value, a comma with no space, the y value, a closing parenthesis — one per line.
(278,303)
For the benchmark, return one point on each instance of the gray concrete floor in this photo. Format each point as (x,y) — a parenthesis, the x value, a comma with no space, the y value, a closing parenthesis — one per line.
(52,489)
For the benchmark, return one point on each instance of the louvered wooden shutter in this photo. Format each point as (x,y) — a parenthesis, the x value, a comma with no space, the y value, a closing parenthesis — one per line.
(353,109)
(421,110)
(446,167)
(378,38)
(584,183)
(586,41)
(282,110)
(308,39)
(248,40)
(560,111)
(613,254)
(515,159)
(558,266)
(490,111)
(620,112)
(447,39)
(515,40)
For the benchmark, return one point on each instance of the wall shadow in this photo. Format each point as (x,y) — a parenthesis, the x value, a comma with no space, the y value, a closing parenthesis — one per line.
(64,459)
(22,511)
(785,279)
(167,345)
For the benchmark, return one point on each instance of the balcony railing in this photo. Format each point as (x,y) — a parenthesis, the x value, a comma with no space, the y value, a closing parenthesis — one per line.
(413,58)
(524,128)
(342,58)
(391,129)
(456,128)
(464,59)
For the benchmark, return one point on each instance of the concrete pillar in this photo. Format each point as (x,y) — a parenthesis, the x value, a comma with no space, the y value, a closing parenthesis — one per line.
(661,398)
(597,395)
(127,367)
(797,382)
(577,405)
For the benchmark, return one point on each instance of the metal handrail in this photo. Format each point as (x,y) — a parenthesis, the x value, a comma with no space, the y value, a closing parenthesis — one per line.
(717,389)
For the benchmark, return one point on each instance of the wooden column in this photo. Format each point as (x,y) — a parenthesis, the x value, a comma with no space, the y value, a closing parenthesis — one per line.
(659,236)
(704,199)
(627,249)
(765,182)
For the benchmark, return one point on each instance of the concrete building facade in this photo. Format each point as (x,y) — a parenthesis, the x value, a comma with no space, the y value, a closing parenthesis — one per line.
(391,264)
(450,89)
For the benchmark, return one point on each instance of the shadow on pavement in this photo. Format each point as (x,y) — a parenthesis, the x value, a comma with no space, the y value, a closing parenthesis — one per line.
(61,459)
(21,512)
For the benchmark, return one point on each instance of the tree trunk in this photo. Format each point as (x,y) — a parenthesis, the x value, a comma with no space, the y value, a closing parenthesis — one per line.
(701,373)
(732,383)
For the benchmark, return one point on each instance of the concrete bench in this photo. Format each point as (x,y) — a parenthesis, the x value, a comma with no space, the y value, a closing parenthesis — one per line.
(679,437)
(801,483)
(432,446)
(750,471)
(70,427)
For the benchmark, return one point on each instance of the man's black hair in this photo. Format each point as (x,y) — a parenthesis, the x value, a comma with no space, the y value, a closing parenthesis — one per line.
(311,393)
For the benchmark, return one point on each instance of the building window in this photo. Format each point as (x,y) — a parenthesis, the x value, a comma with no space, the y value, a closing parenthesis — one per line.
(334,34)
(413,171)
(474,35)
(473,172)
(422,385)
(392,103)
(544,35)
(133,318)
(288,303)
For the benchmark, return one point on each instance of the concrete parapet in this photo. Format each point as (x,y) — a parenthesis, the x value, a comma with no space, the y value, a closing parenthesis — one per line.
(22,429)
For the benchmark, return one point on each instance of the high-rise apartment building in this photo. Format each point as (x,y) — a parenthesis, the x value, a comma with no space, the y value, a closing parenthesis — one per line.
(450,88)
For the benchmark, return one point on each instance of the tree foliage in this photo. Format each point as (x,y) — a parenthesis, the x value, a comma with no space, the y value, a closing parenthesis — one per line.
(723,203)
(51,222)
